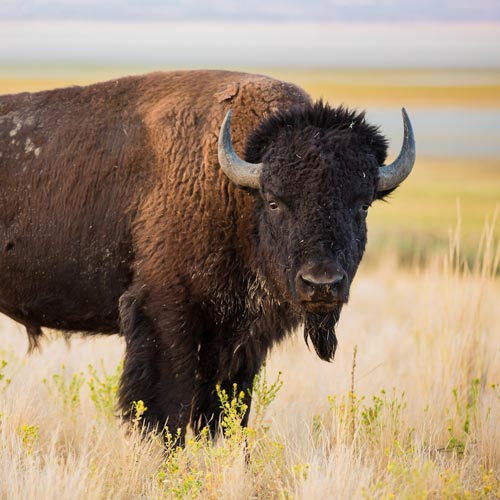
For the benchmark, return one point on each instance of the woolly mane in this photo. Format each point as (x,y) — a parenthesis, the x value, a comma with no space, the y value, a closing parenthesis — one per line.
(315,115)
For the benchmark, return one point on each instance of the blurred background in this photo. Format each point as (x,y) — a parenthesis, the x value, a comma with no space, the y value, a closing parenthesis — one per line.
(438,58)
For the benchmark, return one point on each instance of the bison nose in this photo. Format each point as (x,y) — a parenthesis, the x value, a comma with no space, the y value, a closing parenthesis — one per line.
(331,281)
(321,283)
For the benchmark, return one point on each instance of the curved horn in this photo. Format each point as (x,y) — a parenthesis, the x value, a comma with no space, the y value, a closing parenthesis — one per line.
(239,171)
(392,175)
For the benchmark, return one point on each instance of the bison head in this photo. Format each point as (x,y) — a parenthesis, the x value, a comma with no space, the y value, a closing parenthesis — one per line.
(315,170)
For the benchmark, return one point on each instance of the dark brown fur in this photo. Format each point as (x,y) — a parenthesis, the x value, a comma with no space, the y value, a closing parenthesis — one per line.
(114,214)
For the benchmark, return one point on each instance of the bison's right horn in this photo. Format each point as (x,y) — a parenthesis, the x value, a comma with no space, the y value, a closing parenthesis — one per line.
(239,171)
(391,176)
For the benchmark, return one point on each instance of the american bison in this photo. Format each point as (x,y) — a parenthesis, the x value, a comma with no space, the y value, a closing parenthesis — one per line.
(123,209)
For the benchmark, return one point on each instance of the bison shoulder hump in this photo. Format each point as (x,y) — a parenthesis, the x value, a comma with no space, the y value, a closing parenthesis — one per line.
(261,92)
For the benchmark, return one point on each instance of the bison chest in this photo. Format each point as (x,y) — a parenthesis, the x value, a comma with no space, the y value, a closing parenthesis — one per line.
(241,329)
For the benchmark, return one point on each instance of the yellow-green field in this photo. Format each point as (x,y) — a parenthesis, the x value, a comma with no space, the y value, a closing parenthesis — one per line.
(409,409)
(443,195)
(357,88)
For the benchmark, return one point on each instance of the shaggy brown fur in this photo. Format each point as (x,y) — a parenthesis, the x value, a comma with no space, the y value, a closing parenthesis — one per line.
(115,215)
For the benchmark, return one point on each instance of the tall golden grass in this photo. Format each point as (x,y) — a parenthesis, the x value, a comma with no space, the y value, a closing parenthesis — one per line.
(409,409)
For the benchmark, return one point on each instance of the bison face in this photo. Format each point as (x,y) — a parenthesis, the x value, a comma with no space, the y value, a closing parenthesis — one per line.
(312,209)
(312,225)
(317,174)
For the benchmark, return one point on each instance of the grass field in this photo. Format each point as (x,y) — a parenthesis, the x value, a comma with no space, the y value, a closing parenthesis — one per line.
(358,88)
(408,410)
(410,407)
(443,193)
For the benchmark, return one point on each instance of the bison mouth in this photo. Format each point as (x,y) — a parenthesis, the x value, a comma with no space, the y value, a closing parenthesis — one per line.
(320,306)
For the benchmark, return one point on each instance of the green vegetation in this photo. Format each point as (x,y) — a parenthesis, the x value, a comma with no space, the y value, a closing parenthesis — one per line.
(4,382)
(104,389)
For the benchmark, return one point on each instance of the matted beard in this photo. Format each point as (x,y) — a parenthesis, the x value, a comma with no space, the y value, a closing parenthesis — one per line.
(320,328)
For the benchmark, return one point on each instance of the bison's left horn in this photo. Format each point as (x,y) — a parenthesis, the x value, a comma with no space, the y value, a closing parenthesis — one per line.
(239,171)
(392,175)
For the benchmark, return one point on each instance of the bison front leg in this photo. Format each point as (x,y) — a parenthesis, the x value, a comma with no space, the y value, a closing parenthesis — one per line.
(159,366)
(234,372)
(207,410)
(241,384)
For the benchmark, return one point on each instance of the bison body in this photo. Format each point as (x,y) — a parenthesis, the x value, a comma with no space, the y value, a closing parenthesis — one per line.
(116,216)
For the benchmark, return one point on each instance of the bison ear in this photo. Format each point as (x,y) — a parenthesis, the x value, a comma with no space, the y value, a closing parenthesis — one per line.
(242,173)
(383,195)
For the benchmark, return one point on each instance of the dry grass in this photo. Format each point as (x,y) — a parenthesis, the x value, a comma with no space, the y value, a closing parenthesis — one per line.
(414,415)
(364,88)
(9,85)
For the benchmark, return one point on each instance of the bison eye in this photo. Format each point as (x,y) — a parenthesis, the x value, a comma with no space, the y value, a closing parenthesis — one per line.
(365,207)
(273,205)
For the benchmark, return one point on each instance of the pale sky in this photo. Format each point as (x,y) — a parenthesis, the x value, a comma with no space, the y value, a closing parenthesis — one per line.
(253,10)
(237,44)
(187,33)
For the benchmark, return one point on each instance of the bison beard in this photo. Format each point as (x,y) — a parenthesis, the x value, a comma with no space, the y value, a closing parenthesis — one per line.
(320,328)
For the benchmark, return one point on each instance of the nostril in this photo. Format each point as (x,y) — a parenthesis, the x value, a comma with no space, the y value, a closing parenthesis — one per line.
(325,281)
(337,280)
(321,283)
(308,279)
(306,284)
